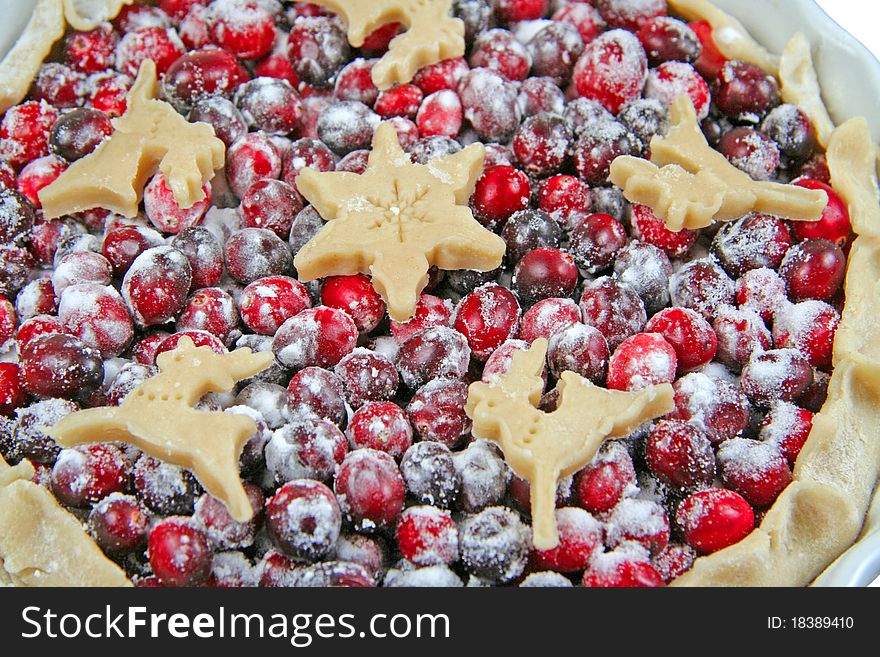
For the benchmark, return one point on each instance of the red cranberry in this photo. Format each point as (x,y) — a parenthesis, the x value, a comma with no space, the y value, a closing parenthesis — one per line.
(756,240)
(356,296)
(565,197)
(703,286)
(269,302)
(711,520)
(165,213)
(544,273)
(778,374)
(278,66)
(755,470)
(834,224)
(602,484)
(641,521)
(59,85)
(427,536)
(204,253)
(743,91)
(442,75)
(243,27)
(315,336)
(487,317)
(542,143)
(498,364)
(271,204)
(710,61)
(430,311)
(751,152)
(370,489)
(717,408)
(307,153)
(108,91)
(270,105)
(36,327)
(81,267)
(536,95)
(304,519)
(808,327)
(402,100)
(740,333)
(500,192)
(58,365)
(251,158)
(253,253)
(316,393)
(787,428)
(24,132)
(667,39)
(580,538)
(156,285)
(123,243)
(179,553)
(673,79)
(690,335)
(199,339)
(143,351)
(675,560)
(368,376)
(436,411)
(88,474)
(16,217)
(202,74)
(355,82)
(580,349)
(380,426)
(640,361)
(614,309)
(650,228)
(436,352)
(210,309)
(119,524)
(490,104)
(98,316)
(39,174)
(309,449)
(813,269)
(36,298)
(318,48)
(92,51)
(158,44)
(679,454)
(611,70)
(79,132)
(177,9)
(501,52)
(619,569)
(762,291)
(513,11)
(12,396)
(630,14)
(440,114)
(222,529)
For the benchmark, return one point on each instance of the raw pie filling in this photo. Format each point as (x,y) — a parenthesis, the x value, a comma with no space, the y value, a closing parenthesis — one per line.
(363,470)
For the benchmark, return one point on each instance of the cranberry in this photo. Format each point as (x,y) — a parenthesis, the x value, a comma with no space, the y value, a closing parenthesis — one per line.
(307,153)
(36,298)
(123,243)
(580,538)
(808,327)
(59,85)
(278,66)
(24,132)
(88,474)
(500,51)
(619,569)
(98,316)
(36,327)
(640,361)
(30,433)
(356,296)
(155,43)
(672,79)
(751,152)
(739,333)
(498,364)
(243,27)
(222,529)
(596,240)
(714,519)
(304,519)
(79,132)
(703,286)
(427,536)
(59,365)
(689,333)
(12,395)
(580,349)
(347,126)
(565,198)
(548,317)
(108,91)
(403,100)
(199,338)
(437,413)
(228,123)
(15,267)
(645,269)
(16,217)
(762,291)
(440,115)
(679,454)
(778,374)
(179,553)
(254,253)
(650,228)
(490,104)
(165,213)
(429,473)
(667,39)
(315,336)
(743,91)
(602,484)
(542,143)
(598,146)
(483,476)
(527,230)
(494,544)
(787,428)
(92,51)
(370,489)
(318,48)
(554,51)
(380,426)
(513,11)
(641,521)
(716,407)
(251,158)
(813,269)
(791,130)
(316,393)
(430,311)
(816,168)
(212,310)
(156,285)
(312,449)
(834,224)
(436,352)
(500,191)
(544,273)
(487,317)
(614,309)
(119,524)
(536,95)
(202,74)
(178,9)
(754,469)
(39,174)
(644,118)
(204,253)
(269,302)
(368,376)
(611,70)
(756,240)
(355,82)
(270,105)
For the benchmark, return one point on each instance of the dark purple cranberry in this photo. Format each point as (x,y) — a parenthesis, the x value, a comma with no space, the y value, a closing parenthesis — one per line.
(465,281)
(204,253)
(15,267)
(347,126)
(530,229)
(756,240)
(430,475)
(305,226)
(778,374)
(368,376)
(165,488)
(667,39)
(318,48)
(542,143)
(598,146)
(701,285)
(645,269)
(792,131)
(475,14)
(750,151)
(436,352)
(543,273)
(78,132)
(304,519)
(30,433)
(644,118)
(494,544)
(59,365)
(229,125)
(119,523)
(430,148)
(744,92)
(254,253)
(555,50)
(306,153)
(16,217)
(582,113)
(595,241)
(614,309)
(202,74)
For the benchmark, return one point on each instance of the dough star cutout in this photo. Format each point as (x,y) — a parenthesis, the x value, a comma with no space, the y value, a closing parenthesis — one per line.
(544,447)
(432,34)
(396,220)
(157,416)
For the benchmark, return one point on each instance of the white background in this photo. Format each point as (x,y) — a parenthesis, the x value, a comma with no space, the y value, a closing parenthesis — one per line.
(859,18)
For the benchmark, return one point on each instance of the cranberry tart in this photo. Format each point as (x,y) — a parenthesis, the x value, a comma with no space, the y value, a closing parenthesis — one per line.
(267,268)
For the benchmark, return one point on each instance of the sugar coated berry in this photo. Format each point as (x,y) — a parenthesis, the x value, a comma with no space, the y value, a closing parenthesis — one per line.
(381,426)
(668,39)
(165,213)
(24,132)
(494,544)
(368,377)
(213,310)
(777,374)
(318,48)
(311,448)
(679,454)
(701,285)
(268,302)
(621,568)
(270,105)
(98,316)
(315,336)
(565,198)
(249,159)
(612,69)
(743,91)
(430,311)
(303,519)
(490,104)
(595,241)
(787,428)
(202,74)
(119,523)
(580,537)
(612,308)
(692,337)
(179,552)
(808,327)
(370,489)
(347,126)
(436,352)
(357,297)
(123,244)
(813,269)
(204,253)
(79,132)
(156,284)
(649,228)
(834,224)
(437,413)
(487,317)
(756,470)
(245,28)
(314,392)
(640,361)
(271,204)
(580,349)
(602,484)
(161,45)
(59,365)
(253,253)
(427,536)
(228,123)
(714,519)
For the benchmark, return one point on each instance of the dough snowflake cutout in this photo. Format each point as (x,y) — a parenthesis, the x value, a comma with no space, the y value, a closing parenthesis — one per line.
(432,34)
(396,220)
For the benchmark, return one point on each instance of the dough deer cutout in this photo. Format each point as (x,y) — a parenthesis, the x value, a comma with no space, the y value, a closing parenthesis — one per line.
(150,136)
(688,184)
(157,416)
(544,447)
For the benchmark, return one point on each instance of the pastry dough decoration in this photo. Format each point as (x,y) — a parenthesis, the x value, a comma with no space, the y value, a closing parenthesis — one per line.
(20,65)
(800,85)
(42,544)
(432,34)
(544,447)
(396,220)
(688,184)
(150,136)
(85,15)
(157,416)
(821,512)
(732,39)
